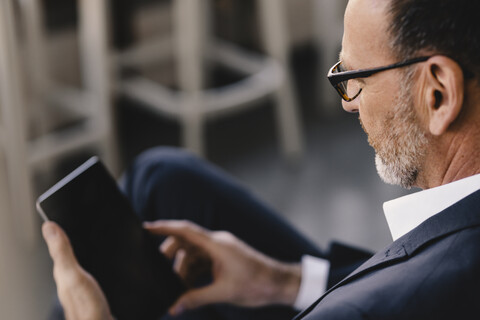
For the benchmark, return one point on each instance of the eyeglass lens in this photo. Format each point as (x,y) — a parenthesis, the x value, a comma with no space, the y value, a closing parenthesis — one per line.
(351,88)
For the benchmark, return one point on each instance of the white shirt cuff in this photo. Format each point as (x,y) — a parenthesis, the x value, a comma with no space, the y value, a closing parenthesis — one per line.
(314,281)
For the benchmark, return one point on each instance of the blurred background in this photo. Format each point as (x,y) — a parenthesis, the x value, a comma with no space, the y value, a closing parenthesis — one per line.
(241,83)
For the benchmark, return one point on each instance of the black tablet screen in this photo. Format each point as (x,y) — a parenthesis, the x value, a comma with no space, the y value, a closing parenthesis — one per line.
(110,243)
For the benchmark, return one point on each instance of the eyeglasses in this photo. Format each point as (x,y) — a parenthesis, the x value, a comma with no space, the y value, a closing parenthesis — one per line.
(341,79)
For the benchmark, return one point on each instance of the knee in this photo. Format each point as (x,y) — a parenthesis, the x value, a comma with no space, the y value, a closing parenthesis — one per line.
(156,171)
(160,163)
(174,158)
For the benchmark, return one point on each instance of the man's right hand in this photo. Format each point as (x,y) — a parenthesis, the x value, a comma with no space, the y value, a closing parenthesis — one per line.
(241,275)
(79,293)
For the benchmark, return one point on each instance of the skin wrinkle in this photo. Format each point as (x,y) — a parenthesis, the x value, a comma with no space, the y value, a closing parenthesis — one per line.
(421,91)
(456,149)
(450,154)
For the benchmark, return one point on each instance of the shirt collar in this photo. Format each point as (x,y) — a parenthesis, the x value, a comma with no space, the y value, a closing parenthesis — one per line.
(406,213)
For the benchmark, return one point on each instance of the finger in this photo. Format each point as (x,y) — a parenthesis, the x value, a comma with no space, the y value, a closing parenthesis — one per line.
(185,230)
(196,298)
(179,264)
(58,246)
(169,247)
(191,265)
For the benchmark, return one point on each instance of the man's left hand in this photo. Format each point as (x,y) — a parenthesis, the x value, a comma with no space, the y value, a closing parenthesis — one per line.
(79,293)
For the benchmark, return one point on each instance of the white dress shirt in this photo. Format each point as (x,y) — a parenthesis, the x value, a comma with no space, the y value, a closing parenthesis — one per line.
(403,215)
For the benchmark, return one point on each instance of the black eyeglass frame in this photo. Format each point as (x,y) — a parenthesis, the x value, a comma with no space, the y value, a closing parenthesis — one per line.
(339,77)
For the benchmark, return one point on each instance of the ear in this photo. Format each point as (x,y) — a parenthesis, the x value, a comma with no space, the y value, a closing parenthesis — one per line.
(444,92)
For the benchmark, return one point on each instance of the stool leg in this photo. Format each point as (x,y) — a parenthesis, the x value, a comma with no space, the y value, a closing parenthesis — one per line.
(274,32)
(190,37)
(38,73)
(97,75)
(328,30)
(14,133)
(37,62)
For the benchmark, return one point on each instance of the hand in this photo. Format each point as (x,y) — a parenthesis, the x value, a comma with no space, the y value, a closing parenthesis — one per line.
(241,275)
(79,293)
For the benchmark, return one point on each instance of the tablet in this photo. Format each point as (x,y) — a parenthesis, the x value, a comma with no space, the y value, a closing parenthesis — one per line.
(110,243)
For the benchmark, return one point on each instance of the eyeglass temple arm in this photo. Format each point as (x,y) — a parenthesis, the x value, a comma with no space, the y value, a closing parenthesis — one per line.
(336,78)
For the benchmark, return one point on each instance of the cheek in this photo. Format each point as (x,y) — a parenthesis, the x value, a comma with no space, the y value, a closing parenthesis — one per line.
(370,113)
(376,105)
(370,126)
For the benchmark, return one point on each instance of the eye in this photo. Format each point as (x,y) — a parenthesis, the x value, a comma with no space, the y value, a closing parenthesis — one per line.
(353,87)
(341,68)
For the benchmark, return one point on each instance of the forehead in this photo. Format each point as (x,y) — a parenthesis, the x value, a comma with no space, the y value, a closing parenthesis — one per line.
(365,40)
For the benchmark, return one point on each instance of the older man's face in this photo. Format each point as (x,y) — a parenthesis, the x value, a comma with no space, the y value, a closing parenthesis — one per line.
(385,105)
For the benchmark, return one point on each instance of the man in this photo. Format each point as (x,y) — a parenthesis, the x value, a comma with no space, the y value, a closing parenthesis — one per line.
(410,68)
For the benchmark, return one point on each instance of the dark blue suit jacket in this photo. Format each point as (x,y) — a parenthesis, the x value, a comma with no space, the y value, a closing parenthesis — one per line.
(432,272)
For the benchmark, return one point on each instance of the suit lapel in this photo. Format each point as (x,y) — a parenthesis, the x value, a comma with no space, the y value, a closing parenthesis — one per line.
(463,214)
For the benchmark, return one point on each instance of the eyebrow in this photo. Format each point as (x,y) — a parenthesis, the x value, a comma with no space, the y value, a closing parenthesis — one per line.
(348,67)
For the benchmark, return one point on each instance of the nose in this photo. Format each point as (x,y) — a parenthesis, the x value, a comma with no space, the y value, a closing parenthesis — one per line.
(351,106)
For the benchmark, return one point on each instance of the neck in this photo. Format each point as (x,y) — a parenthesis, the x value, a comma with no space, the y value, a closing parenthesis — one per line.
(453,156)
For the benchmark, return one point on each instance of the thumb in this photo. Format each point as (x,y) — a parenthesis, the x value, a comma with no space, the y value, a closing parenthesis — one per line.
(59,246)
(195,298)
